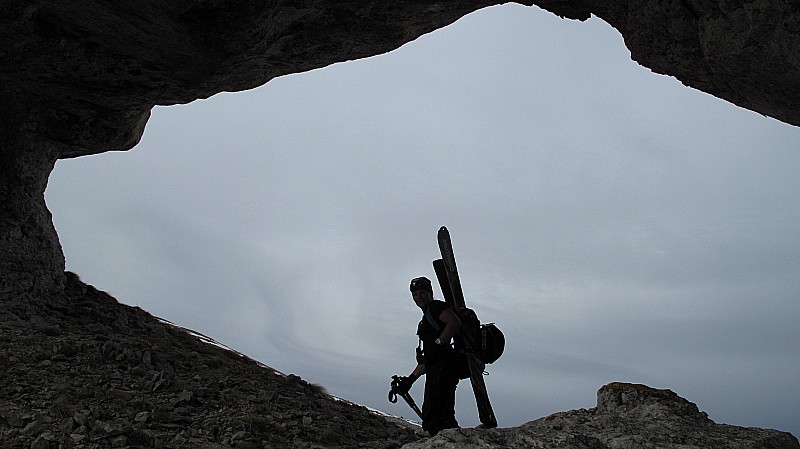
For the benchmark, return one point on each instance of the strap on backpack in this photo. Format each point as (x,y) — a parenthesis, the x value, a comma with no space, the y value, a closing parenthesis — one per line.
(432,320)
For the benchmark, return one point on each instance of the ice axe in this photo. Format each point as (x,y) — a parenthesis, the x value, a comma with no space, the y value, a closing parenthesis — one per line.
(404,394)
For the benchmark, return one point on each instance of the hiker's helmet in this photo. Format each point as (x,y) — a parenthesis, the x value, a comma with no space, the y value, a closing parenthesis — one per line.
(421,283)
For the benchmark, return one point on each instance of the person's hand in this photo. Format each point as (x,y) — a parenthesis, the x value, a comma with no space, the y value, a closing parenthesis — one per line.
(405,383)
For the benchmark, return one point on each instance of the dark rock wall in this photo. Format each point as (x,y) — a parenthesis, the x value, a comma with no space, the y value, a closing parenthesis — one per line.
(31,260)
(745,52)
(91,70)
(87,73)
(81,76)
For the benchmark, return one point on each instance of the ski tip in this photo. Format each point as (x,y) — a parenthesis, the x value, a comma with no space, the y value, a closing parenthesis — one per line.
(443,229)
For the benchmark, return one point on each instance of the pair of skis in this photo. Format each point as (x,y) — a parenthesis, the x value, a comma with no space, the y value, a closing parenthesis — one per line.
(447,274)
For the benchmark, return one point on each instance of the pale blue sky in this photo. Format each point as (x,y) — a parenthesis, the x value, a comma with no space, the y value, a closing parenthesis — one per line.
(617,225)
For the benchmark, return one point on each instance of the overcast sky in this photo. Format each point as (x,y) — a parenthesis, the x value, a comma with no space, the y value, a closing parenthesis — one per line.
(617,225)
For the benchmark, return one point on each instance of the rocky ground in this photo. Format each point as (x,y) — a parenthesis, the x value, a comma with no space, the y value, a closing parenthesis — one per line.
(627,416)
(83,371)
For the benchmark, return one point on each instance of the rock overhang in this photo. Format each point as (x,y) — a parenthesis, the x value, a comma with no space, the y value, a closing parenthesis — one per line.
(81,77)
(86,74)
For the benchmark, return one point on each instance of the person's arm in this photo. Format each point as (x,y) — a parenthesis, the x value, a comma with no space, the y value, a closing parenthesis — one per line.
(452,325)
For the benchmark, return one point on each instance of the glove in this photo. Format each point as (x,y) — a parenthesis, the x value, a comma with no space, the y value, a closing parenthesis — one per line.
(405,383)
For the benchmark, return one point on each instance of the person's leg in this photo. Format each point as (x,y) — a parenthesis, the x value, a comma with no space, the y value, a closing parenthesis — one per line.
(448,390)
(438,408)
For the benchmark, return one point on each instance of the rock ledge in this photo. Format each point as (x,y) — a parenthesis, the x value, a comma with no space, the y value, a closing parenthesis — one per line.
(627,416)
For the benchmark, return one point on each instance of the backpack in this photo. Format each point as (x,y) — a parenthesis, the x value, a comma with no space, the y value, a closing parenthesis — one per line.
(489,341)
(492,343)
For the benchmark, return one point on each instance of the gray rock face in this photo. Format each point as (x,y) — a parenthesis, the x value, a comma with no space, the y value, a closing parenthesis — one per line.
(627,416)
(81,77)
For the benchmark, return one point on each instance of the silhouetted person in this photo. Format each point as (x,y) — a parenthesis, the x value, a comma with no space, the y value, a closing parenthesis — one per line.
(435,358)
